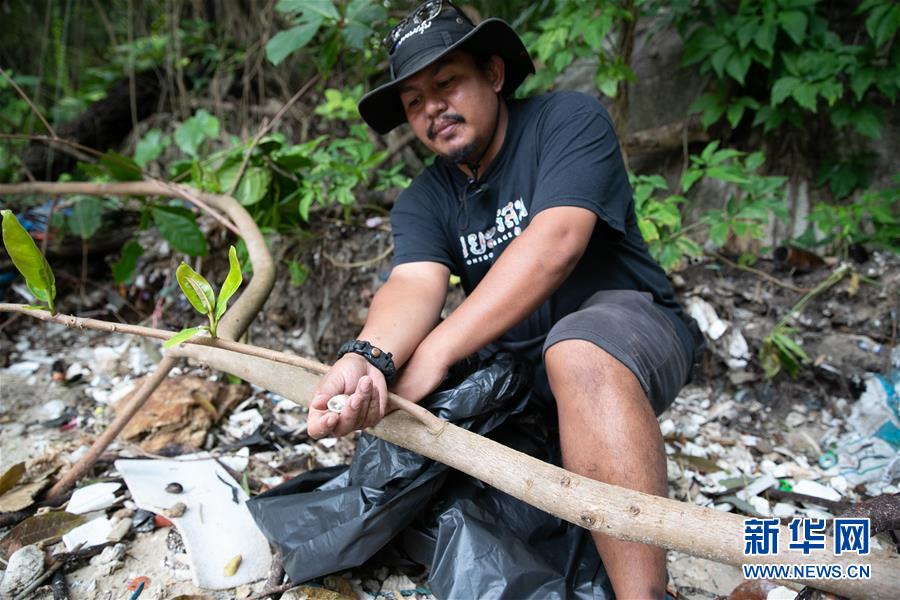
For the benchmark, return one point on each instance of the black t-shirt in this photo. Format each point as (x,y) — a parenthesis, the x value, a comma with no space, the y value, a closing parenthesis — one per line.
(560,150)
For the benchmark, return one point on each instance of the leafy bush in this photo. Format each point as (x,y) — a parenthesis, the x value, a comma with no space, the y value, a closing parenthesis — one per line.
(800,62)
(872,219)
(751,198)
(574,30)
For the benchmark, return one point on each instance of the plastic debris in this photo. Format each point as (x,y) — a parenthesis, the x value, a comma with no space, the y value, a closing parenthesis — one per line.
(213,528)
(93,497)
(92,533)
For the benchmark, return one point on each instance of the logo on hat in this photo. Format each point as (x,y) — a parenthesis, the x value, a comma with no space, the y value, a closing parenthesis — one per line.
(420,29)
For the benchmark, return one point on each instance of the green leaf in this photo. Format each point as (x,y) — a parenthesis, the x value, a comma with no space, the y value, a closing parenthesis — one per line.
(86,217)
(232,283)
(719,58)
(285,42)
(868,123)
(783,88)
(299,273)
(195,130)
(121,167)
(178,227)
(805,95)
(123,269)
(718,233)
(737,66)
(764,38)
(253,186)
(793,22)
(28,259)
(734,114)
(690,177)
(150,147)
(196,289)
(184,335)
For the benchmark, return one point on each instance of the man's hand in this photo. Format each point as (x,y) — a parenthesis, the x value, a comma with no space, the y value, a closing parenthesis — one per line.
(354,376)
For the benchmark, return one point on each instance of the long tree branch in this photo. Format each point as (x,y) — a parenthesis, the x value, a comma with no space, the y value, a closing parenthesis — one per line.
(73,322)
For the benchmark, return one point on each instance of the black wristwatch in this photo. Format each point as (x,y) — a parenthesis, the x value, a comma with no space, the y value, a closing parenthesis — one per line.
(381,360)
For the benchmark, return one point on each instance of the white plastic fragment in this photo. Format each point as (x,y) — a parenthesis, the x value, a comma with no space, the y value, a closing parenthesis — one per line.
(93,497)
(214,527)
(92,533)
(757,486)
(738,350)
(706,317)
(760,505)
(811,488)
(783,509)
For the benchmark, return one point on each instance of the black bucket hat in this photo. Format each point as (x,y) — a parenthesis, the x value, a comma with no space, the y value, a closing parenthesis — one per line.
(433,30)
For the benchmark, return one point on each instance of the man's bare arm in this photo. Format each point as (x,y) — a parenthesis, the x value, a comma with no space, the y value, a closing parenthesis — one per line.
(402,313)
(406,308)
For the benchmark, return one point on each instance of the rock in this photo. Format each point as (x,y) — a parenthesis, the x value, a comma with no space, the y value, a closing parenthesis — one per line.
(25,565)
(397,584)
(119,530)
(109,560)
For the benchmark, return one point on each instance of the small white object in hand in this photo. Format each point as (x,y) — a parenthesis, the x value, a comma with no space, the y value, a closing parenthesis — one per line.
(337,403)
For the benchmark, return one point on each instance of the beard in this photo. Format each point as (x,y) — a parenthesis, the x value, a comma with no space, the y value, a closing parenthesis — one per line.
(464,154)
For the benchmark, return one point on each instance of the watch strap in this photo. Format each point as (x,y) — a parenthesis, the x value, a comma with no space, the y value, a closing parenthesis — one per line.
(378,358)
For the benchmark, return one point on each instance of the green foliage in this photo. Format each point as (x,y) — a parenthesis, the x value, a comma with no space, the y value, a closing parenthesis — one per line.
(86,216)
(178,226)
(751,197)
(780,351)
(150,147)
(299,273)
(123,269)
(28,259)
(746,209)
(659,220)
(203,298)
(340,27)
(779,61)
(193,132)
(872,220)
(575,30)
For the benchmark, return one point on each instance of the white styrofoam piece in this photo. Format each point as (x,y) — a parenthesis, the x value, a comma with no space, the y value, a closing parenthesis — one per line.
(811,488)
(214,528)
(92,533)
(93,497)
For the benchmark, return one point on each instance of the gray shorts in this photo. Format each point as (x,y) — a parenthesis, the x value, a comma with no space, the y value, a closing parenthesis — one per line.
(652,341)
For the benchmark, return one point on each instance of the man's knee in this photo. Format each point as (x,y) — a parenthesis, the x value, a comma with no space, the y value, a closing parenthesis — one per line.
(583,365)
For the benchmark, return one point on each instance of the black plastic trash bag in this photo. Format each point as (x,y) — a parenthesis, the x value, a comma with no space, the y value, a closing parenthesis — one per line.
(393,506)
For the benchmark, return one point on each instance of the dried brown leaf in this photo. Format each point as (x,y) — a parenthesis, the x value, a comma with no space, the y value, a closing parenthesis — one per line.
(47,527)
(12,476)
(22,497)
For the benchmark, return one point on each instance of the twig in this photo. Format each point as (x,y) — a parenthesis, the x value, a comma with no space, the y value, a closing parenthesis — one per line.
(68,146)
(31,105)
(360,263)
(266,127)
(275,590)
(433,423)
(829,281)
(763,274)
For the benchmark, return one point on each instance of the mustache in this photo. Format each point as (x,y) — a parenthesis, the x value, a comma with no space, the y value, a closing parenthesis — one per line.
(445,119)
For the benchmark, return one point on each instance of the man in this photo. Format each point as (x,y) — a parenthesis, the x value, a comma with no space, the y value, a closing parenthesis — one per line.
(528,202)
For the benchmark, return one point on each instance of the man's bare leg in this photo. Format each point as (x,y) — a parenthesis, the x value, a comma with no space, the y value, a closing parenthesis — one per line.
(609,433)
